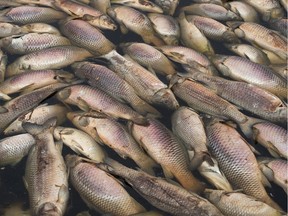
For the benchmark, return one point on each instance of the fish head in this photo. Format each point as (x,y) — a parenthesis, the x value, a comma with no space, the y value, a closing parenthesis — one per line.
(219,62)
(72,160)
(230,37)
(103,21)
(213,196)
(112,12)
(49,209)
(64,94)
(171,40)
(64,76)
(166,97)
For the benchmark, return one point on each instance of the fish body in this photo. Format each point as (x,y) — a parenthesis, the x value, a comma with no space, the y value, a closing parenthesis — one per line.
(87,98)
(244,10)
(168,6)
(242,169)
(142,5)
(166,150)
(40,28)
(50,58)
(46,176)
(3,64)
(99,190)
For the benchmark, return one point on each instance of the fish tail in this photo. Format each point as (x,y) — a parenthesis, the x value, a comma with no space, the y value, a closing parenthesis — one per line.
(189,182)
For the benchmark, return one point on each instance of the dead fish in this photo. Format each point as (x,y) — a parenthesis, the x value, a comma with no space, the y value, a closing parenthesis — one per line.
(187,125)
(218,2)
(89,98)
(275,170)
(192,37)
(31,42)
(143,5)
(281,69)
(135,21)
(109,82)
(111,133)
(246,205)
(166,27)
(23,103)
(48,3)
(213,29)
(50,58)
(39,115)
(40,28)
(80,142)
(87,13)
(3,64)
(149,57)
(261,36)
(30,80)
(213,174)
(46,176)
(166,150)
(146,84)
(30,14)
(242,69)
(9,29)
(274,58)
(14,148)
(204,100)
(168,6)
(284,3)
(244,95)
(99,190)
(83,34)
(4,4)
(244,10)
(269,9)
(167,196)
(241,170)
(281,26)
(250,52)
(190,57)
(214,11)
(273,137)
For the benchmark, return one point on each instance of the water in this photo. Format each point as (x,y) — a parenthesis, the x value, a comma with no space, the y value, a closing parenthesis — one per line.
(12,189)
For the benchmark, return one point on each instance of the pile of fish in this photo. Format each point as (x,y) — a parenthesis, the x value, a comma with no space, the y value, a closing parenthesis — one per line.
(145,108)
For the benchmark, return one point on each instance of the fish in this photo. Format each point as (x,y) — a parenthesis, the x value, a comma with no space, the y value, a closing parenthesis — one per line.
(213,174)
(50,58)
(80,142)
(31,42)
(149,57)
(273,137)
(31,80)
(114,135)
(101,5)
(275,171)
(30,14)
(246,96)
(246,205)
(83,34)
(192,37)
(241,170)
(162,194)
(99,190)
(168,6)
(92,15)
(90,98)
(242,69)
(274,58)
(281,26)
(281,70)
(269,9)
(260,36)
(166,150)
(147,85)
(135,21)
(142,5)
(189,57)
(13,149)
(22,104)
(103,78)
(166,27)
(250,52)
(189,128)
(213,11)
(46,176)
(243,10)
(213,29)
(38,115)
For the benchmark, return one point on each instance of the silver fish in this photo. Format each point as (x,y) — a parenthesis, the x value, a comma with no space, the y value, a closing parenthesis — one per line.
(244,10)
(143,5)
